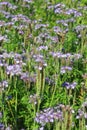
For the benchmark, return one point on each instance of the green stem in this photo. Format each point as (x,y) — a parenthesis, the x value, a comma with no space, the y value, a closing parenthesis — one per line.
(15,82)
(3,108)
(43,81)
(39,83)
(11,110)
(53,95)
(57,126)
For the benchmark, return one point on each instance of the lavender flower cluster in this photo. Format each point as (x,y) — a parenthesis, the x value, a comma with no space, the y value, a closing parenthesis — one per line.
(66,56)
(40,60)
(66,22)
(69,85)
(3,85)
(49,115)
(82,112)
(60,9)
(65,69)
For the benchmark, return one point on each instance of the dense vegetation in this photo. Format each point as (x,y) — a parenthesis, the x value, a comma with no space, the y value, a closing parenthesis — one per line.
(43,65)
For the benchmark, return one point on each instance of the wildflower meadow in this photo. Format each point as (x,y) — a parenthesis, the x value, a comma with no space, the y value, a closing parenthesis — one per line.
(43,64)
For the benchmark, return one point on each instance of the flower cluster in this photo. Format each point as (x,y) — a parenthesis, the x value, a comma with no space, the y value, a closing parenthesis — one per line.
(8,5)
(3,84)
(40,60)
(49,81)
(13,70)
(65,108)
(66,22)
(65,69)
(38,26)
(22,18)
(42,48)
(80,28)
(49,115)
(69,85)
(59,8)
(73,12)
(28,1)
(3,38)
(66,56)
(2,126)
(82,112)
(27,78)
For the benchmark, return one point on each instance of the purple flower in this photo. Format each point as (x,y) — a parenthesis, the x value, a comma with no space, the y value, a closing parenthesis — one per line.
(8,128)
(22,18)
(59,5)
(80,114)
(38,26)
(80,28)
(27,78)
(65,84)
(1,125)
(77,14)
(50,7)
(9,97)
(42,48)
(13,70)
(9,24)
(3,84)
(54,39)
(41,128)
(28,1)
(65,22)
(57,29)
(41,62)
(49,81)
(59,8)
(0,114)
(5,3)
(58,11)
(64,69)
(69,85)
(48,115)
